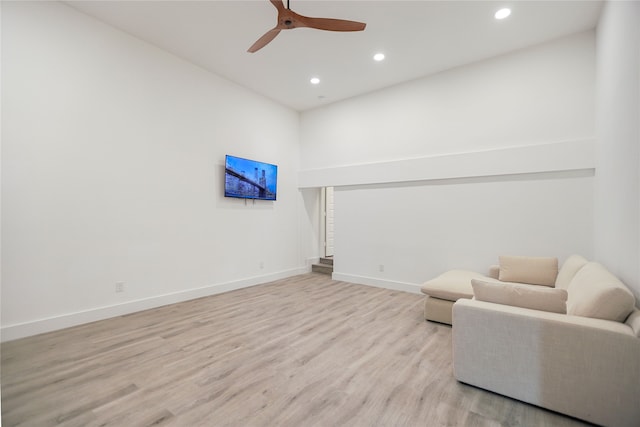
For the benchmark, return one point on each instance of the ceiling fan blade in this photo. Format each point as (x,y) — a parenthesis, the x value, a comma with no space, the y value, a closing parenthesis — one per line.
(264,40)
(278,4)
(330,24)
(288,20)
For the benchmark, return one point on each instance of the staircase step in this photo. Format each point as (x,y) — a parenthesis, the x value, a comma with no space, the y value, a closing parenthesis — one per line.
(326,260)
(322,268)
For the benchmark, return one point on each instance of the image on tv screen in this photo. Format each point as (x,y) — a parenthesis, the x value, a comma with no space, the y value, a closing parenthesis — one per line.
(249,179)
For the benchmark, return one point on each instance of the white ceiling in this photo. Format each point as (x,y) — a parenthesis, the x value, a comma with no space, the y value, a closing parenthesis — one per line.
(418,38)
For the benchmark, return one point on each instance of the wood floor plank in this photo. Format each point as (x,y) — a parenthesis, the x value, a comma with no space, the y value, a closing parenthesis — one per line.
(303,351)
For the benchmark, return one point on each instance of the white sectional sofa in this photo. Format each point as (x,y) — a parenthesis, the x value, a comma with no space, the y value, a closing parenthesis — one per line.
(584,363)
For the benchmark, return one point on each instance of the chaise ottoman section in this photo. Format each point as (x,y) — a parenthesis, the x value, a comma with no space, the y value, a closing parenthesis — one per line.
(445,290)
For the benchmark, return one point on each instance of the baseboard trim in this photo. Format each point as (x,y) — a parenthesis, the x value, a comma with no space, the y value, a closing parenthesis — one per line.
(378,283)
(27,329)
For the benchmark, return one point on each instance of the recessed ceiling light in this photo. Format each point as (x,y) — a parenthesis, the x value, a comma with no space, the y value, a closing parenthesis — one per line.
(378,57)
(314,80)
(502,13)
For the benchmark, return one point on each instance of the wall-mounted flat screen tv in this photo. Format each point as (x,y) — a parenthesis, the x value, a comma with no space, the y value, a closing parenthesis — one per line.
(249,179)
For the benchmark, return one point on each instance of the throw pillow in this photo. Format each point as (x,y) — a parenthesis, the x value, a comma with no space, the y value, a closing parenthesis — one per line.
(530,270)
(520,295)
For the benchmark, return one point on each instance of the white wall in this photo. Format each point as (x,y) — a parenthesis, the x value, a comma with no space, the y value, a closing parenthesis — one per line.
(419,231)
(538,100)
(112,170)
(533,96)
(617,186)
(311,241)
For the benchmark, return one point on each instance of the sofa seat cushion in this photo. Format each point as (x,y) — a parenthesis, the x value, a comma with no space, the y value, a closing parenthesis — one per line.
(452,285)
(530,270)
(595,292)
(521,295)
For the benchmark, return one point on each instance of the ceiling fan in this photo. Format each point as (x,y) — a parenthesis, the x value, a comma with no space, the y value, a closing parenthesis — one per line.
(288,20)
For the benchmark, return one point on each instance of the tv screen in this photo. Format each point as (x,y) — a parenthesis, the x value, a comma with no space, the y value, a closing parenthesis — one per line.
(249,179)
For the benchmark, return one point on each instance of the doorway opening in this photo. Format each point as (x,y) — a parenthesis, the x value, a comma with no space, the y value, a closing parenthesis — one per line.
(328,220)
(326,232)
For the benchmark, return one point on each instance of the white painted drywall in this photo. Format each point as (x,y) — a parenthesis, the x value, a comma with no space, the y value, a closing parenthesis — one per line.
(310,238)
(421,230)
(458,216)
(537,158)
(617,185)
(539,95)
(112,171)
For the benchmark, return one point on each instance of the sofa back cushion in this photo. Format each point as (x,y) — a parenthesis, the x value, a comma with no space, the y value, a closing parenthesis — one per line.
(595,292)
(569,269)
(530,270)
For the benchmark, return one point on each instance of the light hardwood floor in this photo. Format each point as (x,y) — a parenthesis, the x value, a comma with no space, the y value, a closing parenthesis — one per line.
(305,351)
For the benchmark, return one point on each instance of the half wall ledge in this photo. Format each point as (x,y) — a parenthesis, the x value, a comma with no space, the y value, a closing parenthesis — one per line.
(575,158)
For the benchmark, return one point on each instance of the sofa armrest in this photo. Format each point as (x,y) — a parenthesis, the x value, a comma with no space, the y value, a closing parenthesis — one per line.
(586,368)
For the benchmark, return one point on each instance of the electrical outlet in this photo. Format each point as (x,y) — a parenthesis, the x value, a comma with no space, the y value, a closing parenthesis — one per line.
(381,268)
(119,287)
(261,265)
